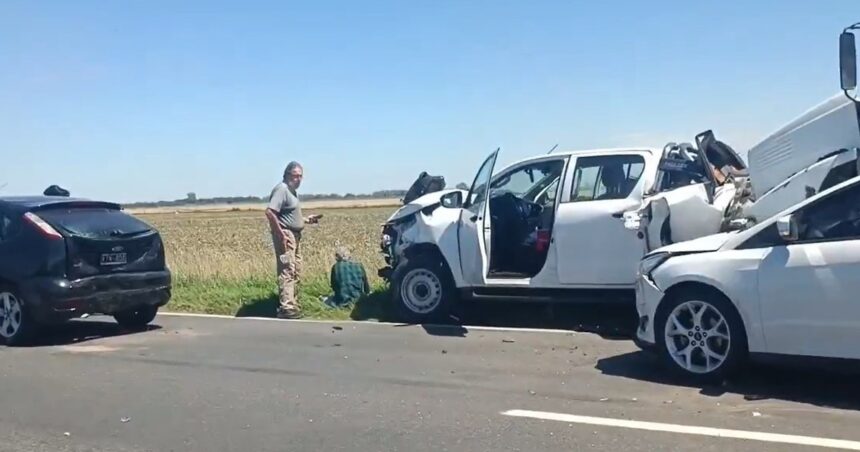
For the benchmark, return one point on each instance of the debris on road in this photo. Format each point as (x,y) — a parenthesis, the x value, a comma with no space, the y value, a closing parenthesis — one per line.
(67,434)
(337,328)
(444,352)
(508,341)
(605,399)
(532,392)
(756,414)
(125,420)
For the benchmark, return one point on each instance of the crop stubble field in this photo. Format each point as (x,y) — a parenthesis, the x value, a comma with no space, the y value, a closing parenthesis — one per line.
(223,263)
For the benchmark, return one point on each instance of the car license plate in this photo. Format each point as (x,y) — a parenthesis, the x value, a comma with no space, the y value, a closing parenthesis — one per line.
(114,259)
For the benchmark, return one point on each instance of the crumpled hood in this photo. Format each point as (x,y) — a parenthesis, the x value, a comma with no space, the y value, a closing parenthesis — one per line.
(427,200)
(699,245)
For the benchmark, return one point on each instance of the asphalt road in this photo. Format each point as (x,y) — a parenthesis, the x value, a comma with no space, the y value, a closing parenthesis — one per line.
(202,384)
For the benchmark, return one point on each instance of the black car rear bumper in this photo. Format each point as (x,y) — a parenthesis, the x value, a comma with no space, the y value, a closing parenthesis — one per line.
(57,299)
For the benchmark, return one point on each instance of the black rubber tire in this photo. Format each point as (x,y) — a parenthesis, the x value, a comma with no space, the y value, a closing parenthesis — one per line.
(27,331)
(441,313)
(136,318)
(738,346)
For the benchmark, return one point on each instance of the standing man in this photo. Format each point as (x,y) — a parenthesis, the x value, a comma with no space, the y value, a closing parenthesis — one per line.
(286,222)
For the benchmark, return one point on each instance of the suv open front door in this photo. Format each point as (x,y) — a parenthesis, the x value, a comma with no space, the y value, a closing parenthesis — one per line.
(473,230)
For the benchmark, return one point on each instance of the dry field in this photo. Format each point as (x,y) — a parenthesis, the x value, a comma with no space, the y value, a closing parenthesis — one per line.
(223,261)
(309,205)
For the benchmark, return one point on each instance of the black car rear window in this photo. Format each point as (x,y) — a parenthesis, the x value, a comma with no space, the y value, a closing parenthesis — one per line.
(94,223)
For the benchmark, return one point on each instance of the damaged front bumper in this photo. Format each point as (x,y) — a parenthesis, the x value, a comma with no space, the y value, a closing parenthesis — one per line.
(386,245)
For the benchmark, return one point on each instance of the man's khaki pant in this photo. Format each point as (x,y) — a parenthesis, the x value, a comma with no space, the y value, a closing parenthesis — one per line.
(289,260)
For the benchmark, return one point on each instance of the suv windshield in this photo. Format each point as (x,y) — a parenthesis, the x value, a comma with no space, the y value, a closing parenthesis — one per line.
(94,223)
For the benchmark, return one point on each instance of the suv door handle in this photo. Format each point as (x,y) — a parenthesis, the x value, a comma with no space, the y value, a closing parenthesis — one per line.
(617,214)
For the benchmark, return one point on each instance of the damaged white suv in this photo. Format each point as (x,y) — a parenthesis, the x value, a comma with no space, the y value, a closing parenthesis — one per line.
(572,226)
(562,226)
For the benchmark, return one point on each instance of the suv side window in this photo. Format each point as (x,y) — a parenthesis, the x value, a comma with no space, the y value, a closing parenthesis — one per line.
(606,177)
(530,180)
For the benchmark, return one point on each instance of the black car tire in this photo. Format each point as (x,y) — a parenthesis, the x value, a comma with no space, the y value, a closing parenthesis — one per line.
(26,328)
(136,318)
(735,353)
(423,290)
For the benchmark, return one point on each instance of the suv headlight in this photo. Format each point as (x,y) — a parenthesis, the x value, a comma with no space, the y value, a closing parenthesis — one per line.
(650,263)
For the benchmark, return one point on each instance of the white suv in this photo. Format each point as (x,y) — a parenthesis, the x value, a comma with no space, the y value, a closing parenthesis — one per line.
(550,227)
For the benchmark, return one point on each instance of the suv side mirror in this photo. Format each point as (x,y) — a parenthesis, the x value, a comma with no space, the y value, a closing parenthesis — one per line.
(787,227)
(847,61)
(453,200)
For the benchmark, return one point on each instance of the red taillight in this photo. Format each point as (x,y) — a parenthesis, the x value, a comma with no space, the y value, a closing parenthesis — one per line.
(44,228)
(542,242)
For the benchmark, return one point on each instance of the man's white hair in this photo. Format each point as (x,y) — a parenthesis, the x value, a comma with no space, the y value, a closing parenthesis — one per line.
(341,253)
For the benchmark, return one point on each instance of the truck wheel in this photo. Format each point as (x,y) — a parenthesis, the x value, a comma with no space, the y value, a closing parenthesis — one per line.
(700,336)
(17,327)
(136,318)
(423,290)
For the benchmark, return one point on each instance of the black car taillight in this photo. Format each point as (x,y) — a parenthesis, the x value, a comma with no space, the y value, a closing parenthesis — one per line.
(45,229)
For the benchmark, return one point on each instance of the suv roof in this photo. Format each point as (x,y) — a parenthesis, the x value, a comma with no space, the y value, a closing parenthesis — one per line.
(585,152)
(27,203)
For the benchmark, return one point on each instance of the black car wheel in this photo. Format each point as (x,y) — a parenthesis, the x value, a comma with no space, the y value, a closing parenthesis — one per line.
(137,318)
(423,290)
(16,325)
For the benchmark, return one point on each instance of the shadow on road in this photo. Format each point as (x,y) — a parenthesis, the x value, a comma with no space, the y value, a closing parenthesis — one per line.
(824,388)
(77,331)
(612,321)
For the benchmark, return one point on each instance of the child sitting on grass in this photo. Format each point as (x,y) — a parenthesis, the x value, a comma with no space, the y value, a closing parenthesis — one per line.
(348,280)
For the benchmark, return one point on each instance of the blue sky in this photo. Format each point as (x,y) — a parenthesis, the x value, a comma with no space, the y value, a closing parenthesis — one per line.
(145,100)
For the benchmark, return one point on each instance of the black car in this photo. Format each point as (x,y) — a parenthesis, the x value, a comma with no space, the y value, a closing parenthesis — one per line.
(61,258)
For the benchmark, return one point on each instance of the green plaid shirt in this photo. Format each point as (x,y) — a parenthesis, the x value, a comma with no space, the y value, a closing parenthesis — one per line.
(349,282)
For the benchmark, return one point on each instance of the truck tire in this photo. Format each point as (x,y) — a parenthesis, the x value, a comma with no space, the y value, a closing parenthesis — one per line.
(423,290)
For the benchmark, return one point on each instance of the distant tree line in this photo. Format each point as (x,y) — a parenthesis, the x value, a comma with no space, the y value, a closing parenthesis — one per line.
(192,199)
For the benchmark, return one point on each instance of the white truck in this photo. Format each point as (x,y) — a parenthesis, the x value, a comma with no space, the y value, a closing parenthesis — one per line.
(573,226)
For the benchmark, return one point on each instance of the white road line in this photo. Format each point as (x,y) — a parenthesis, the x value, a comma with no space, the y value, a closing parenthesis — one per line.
(363,322)
(688,429)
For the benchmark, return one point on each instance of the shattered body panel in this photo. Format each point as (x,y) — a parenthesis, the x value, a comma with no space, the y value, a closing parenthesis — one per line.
(422,222)
(696,188)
